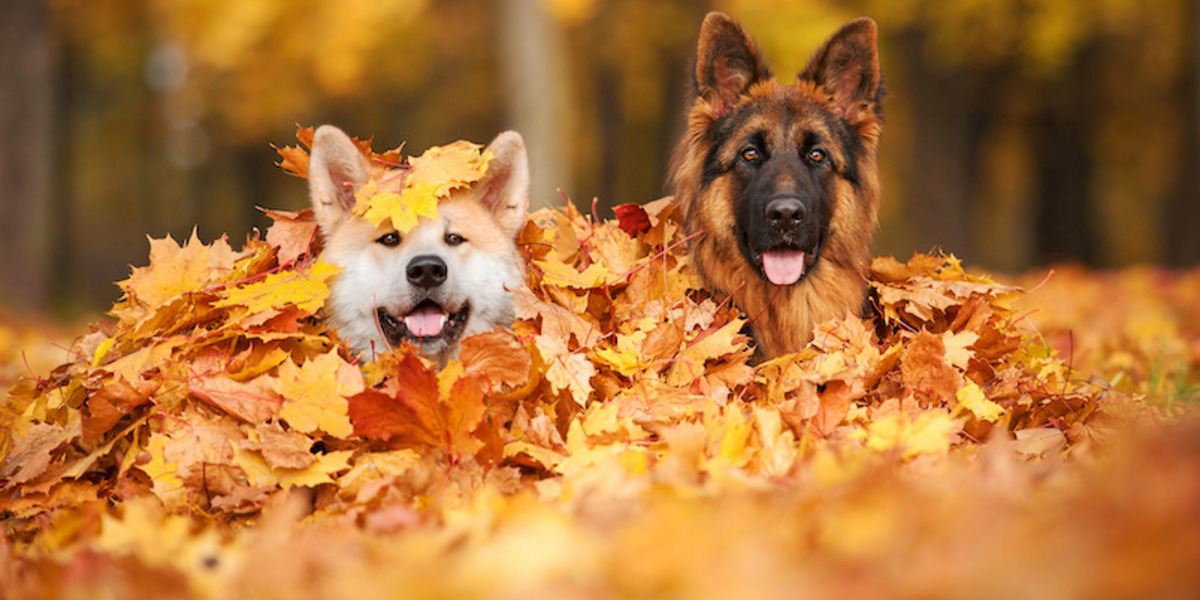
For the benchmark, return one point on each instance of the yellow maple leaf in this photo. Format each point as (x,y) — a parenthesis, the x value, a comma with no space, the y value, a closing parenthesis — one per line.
(178,268)
(732,429)
(930,432)
(610,465)
(604,419)
(260,474)
(690,364)
(144,531)
(448,376)
(601,418)
(625,357)
(450,167)
(102,351)
(545,456)
(558,273)
(958,352)
(306,289)
(373,466)
(973,399)
(161,471)
(777,450)
(430,177)
(315,394)
(403,210)
(566,370)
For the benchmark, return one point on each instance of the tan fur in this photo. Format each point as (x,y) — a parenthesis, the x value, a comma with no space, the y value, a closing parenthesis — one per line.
(783,316)
(462,214)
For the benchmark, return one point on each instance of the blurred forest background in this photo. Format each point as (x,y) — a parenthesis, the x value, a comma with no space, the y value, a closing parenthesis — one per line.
(1020,132)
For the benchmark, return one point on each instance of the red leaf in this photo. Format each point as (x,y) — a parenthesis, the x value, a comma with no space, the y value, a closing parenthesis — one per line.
(409,409)
(406,408)
(632,219)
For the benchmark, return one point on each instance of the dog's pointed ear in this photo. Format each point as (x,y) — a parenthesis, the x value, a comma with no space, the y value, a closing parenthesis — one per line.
(336,169)
(728,62)
(504,189)
(847,67)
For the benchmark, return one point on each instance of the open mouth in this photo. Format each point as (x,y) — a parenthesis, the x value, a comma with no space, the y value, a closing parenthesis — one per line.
(786,265)
(427,323)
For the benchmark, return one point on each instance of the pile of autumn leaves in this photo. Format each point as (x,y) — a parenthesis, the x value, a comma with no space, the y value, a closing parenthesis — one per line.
(217,393)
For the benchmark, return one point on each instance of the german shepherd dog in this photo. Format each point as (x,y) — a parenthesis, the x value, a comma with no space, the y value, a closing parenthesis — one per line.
(782,179)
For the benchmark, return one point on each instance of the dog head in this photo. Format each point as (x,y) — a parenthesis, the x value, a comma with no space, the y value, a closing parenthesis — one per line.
(785,149)
(447,278)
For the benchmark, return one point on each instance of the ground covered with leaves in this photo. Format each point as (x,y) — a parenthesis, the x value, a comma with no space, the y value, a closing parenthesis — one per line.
(214,440)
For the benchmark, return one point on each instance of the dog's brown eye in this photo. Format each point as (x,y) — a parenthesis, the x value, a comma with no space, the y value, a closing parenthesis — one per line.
(390,240)
(816,155)
(750,154)
(453,239)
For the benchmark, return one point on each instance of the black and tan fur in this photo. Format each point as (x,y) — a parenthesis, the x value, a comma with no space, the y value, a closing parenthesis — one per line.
(754,144)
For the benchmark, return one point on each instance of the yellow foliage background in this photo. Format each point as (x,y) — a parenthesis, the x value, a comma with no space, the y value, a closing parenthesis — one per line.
(1019,133)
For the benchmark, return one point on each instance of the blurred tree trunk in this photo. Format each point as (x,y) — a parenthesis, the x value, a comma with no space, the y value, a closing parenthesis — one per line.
(531,51)
(26,176)
(948,124)
(609,111)
(107,112)
(1183,207)
(1066,226)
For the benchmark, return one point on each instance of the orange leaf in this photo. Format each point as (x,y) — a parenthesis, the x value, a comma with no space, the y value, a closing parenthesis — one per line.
(406,408)
(31,452)
(253,401)
(448,167)
(105,407)
(498,358)
(926,372)
(292,234)
(282,449)
(409,409)
(836,399)
(464,410)
(175,269)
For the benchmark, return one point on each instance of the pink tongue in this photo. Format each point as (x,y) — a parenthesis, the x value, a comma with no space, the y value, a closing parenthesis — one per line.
(783,267)
(425,321)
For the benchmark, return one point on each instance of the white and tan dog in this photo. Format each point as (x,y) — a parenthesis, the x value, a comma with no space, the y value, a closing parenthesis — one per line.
(446,279)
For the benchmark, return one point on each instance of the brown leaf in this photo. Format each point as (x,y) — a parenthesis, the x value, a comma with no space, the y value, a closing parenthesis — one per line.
(836,399)
(801,406)
(294,158)
(887,269)
(498,358)
(926,372)
(663,342)
(105,407)
(292,234)
(31,453)
(253,401)
(282,449)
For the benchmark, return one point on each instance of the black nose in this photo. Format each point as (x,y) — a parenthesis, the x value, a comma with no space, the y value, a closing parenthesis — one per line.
(786,213)
(426,271)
